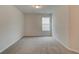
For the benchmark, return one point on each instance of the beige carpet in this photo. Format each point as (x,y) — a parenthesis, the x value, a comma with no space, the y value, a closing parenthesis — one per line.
(37,45)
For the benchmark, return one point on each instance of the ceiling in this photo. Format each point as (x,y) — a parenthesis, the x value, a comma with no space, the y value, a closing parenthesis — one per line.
(29,9)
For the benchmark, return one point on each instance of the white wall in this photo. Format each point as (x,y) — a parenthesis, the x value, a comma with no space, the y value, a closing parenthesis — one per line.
(61,24)
(74,27)
(11,26)
(33,25)
(66,26)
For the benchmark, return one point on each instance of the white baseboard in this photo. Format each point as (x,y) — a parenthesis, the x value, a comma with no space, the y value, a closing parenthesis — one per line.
(11,43)
(67,47)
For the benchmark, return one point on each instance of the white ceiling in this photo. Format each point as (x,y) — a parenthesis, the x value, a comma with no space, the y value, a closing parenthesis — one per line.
(29,9)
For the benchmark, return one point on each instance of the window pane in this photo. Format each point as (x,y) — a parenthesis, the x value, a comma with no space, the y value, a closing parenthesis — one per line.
(46,24)
(46,28)
(45,20)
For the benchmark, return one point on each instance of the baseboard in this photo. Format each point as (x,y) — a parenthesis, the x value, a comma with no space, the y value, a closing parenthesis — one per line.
(39,36)
(11,44)
(67,47)
(72,50)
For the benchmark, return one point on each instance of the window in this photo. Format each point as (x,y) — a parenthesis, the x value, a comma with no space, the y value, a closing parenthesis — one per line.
(45,23)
